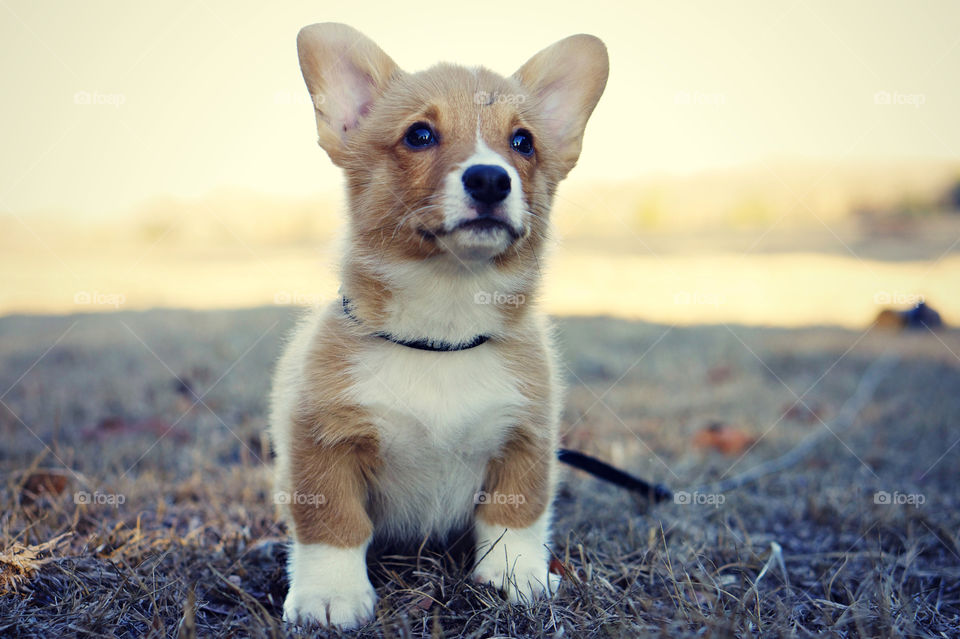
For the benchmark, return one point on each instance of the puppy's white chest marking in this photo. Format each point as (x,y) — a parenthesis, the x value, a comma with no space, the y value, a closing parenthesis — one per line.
(440,418)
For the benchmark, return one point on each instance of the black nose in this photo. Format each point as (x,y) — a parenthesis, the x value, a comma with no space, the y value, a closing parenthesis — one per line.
(486,183)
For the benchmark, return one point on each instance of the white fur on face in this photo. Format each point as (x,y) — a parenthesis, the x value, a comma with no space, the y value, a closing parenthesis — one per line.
(329,585)
(516,560)
(459,207)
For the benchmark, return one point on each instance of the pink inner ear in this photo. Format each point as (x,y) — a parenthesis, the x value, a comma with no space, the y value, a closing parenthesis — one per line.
(354,98)
(557,107)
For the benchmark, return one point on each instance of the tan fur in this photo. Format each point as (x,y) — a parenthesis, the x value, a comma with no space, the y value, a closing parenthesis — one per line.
(523,468)
(334,448)
(340,473)
(527,464)
(391,189)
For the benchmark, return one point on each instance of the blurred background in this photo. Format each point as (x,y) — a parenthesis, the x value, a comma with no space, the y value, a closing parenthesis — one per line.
(789,164)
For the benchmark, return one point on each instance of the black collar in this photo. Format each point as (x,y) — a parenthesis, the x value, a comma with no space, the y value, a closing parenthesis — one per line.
(420,344)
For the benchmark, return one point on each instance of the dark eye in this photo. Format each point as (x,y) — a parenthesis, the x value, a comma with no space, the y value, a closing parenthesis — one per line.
(522,142)
(420,136)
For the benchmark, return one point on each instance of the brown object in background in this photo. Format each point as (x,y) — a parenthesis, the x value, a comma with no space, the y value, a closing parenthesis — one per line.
(919,317)
(157,427)
(41,482)
(557,568)
(801,412)
(720,374)
(889,319)
(723,438)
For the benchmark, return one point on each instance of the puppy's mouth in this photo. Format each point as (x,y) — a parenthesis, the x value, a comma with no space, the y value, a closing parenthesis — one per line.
(488,225)
(481,225)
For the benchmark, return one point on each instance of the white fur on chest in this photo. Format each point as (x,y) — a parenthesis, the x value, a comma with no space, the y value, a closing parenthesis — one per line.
(446,299)
(440,417)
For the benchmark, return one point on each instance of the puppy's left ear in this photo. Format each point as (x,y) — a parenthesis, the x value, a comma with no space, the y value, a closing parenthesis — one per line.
(567,78)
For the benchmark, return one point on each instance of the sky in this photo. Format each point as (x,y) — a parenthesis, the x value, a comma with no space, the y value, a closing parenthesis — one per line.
(108,105)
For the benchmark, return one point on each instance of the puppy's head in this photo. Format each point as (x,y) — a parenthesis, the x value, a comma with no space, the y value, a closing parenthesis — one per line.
(449,161)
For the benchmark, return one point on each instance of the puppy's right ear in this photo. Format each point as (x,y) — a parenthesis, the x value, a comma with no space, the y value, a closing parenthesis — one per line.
(345,73)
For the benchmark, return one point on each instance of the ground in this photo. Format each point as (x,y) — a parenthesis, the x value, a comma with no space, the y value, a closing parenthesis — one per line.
(136,498)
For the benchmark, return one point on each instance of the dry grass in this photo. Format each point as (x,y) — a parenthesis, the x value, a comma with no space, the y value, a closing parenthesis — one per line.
(194,548)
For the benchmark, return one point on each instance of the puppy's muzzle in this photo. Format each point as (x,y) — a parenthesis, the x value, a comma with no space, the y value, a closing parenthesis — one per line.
(488,185)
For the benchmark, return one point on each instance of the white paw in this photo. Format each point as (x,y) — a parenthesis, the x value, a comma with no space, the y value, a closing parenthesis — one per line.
(347,610)
(522,583)
(516,560)
(329,586)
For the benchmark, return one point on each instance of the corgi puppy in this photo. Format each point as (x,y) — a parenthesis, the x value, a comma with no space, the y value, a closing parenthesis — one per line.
(427,400)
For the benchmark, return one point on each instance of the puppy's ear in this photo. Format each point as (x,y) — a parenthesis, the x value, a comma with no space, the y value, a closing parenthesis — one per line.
(567,78)
(345,73)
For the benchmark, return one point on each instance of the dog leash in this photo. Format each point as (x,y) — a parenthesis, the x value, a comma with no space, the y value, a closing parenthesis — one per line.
(602,470)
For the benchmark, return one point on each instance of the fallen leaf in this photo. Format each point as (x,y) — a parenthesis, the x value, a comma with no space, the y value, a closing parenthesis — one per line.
(557,568)
(43,482)
(425,603)
(723,438)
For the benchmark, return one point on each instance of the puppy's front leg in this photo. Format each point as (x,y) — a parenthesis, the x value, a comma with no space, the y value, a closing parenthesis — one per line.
(328,569)
(513,520)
